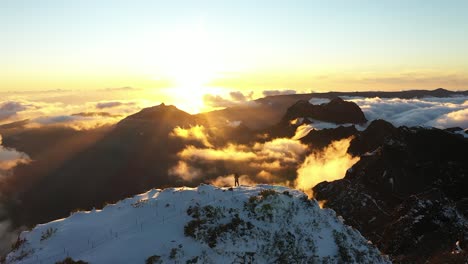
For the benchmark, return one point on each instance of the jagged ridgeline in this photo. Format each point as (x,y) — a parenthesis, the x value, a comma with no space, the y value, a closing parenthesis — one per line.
(261,224)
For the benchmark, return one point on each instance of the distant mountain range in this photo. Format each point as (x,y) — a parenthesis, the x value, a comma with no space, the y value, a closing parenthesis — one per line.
(269,110)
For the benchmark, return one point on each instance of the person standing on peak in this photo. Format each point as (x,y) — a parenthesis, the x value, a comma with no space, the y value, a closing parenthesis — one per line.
(236,179)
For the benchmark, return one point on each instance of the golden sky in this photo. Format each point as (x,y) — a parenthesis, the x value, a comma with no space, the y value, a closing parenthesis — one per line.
(181,50)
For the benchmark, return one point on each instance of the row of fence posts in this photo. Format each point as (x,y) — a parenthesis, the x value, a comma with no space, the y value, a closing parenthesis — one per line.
(93,244)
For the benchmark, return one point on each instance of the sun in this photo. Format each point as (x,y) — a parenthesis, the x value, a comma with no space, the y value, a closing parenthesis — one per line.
(191,100)
(189,59)
(190,63)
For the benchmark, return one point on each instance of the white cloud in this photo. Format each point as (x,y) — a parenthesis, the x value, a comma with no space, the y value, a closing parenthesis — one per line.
(185,171)
(283,149)
(318,101)
(10,158)
(198,133)
(278,92)
(79,116)
(10,109)
(329,164)
(235,98)
(231,152)
(457,118)
(428,111)
(113,104)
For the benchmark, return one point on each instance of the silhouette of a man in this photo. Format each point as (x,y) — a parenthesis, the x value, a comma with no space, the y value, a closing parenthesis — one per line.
(236,179)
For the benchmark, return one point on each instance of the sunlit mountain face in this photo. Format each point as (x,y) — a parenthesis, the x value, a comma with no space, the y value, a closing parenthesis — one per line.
(360,110)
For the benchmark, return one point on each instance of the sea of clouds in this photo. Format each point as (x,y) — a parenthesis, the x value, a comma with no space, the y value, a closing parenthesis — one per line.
(80,110)
(428,111)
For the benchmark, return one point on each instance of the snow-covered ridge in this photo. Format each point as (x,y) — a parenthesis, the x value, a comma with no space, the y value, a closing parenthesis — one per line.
(259,224)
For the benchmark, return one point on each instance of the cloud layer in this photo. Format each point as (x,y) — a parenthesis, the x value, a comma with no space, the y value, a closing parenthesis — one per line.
(262,162)
(79,116)
(278,92)
(10,158)
(429,111)
(235,98)
(279,161)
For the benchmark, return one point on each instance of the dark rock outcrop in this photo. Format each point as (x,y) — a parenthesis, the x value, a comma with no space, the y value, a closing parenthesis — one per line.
(336,111)
(407,193)
(319,139)
(454,129)
(374,136)
(422,225)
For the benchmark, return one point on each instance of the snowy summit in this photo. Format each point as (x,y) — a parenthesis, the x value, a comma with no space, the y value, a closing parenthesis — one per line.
(260,224)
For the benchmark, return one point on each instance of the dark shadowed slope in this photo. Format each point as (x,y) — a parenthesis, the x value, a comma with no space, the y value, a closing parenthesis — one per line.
(133,156)
(407,193)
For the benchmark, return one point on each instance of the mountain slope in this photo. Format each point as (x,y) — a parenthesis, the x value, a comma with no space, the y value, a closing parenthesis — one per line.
(123,162)
(407,193)
(262,224)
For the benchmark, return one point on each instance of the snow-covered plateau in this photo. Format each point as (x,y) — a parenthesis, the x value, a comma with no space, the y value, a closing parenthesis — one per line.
(207,224)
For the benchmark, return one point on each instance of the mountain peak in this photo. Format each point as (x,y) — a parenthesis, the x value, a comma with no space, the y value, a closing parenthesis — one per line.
(336,100)
(441,90)
(258,224)
(336,111)
(155,110)
(161,114)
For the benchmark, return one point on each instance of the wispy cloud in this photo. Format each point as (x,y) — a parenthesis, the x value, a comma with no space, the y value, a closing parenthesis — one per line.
(185,171)
(113,104)
(277,92)
(231,152)
(197,133)
(419,78)
(10,109)
(329,164)
(235,98)
(10,158)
